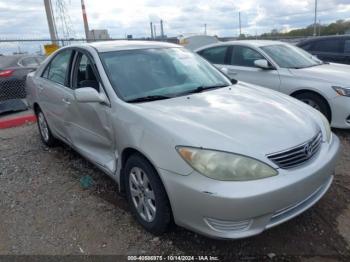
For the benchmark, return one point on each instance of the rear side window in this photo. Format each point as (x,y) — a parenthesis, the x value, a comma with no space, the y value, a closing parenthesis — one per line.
(215,55)
(347,46)
(57,69)
(327,45)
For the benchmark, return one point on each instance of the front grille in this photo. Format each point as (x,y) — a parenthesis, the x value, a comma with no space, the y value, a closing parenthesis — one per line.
(298,155)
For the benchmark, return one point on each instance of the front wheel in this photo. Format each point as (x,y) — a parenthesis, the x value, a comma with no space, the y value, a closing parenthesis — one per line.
(146,195)
(317,102)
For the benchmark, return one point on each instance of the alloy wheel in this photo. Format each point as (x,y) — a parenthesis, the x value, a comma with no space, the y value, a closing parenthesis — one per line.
(311,103)
(44,129)
(142,194)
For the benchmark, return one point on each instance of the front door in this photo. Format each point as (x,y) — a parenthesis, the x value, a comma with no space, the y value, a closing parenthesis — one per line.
(89,124)
(241,67)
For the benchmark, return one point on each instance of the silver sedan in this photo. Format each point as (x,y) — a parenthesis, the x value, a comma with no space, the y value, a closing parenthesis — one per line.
(186,145)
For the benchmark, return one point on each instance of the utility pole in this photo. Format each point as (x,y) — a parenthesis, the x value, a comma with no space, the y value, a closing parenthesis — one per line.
(86,25)
(51,21)
(205,29)
(319,27)
(151,25)
(155,31)
(240,25)
(315,25)
(161,29)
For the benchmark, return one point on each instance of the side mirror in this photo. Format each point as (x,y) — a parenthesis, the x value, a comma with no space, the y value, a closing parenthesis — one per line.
(262,63)
(89,95)
(224,70)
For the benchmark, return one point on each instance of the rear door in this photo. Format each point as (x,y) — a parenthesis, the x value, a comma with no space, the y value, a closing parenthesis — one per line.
(89,126)
(54,93)
(241,67)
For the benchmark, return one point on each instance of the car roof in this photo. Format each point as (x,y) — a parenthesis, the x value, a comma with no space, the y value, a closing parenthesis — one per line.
(118,45)
(251,43)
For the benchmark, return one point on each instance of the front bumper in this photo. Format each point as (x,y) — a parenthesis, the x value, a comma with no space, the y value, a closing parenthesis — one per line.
(222,209)
(340,106)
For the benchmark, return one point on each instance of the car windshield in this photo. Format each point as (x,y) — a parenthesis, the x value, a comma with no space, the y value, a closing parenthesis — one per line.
(287,56)
(159,73)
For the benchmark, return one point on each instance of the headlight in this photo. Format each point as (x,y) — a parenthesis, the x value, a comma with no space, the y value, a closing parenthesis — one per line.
(225,166)
(342,91)
(327,128)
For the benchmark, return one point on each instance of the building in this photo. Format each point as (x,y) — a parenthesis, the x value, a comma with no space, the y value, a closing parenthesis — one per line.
(99,34)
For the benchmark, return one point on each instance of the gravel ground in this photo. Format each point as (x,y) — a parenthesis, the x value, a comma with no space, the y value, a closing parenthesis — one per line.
(44,210)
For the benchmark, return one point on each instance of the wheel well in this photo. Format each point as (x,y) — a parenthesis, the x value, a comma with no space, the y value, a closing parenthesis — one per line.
(299,92)
(127,152)
(36,108)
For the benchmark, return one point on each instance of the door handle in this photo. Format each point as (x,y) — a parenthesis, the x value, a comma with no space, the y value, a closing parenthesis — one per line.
(66,101)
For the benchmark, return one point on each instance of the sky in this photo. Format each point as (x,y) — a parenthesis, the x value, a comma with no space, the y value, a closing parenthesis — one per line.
(27,19)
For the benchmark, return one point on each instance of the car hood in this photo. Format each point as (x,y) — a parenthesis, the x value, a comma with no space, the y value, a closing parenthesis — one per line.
(332,73)
(243,118)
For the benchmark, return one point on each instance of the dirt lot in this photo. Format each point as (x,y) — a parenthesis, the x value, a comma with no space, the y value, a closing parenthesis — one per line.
(44,210)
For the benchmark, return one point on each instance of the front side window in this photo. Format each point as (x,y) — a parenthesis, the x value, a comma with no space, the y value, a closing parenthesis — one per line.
(57,69)
(159,72)
(244,56)
(215,55)
(287,56)
(84,74)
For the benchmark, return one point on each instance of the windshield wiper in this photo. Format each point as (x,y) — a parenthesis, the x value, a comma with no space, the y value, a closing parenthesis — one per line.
(148,98)
(200,89)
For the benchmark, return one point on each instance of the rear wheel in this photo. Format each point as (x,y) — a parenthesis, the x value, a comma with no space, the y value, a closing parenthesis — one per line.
(316,101)
(146,195)
(44,130)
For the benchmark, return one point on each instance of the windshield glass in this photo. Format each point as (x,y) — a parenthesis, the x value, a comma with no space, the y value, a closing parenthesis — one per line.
(288,56)
(158,72)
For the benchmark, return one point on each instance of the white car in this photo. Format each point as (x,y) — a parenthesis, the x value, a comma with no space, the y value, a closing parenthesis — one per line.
(288,69)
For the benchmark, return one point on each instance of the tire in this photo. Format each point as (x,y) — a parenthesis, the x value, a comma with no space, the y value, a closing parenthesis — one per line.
(316,101)
(145,190)
(45,133)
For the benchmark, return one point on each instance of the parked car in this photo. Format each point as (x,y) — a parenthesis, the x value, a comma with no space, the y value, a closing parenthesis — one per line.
(329,48)
(13,71)
(225,160)
(288,69)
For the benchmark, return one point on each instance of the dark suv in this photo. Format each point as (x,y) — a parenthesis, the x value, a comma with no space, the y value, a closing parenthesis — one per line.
(329,48)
